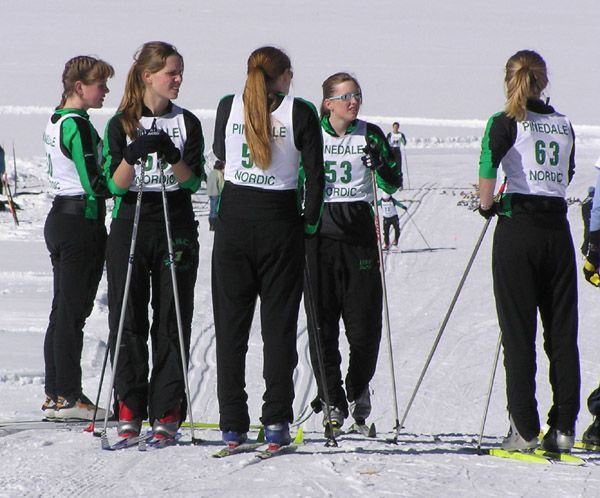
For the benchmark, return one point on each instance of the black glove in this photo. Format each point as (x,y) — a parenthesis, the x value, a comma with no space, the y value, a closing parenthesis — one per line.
(489,212)
(592,260)
(142,146)
(373,158)
(170,153)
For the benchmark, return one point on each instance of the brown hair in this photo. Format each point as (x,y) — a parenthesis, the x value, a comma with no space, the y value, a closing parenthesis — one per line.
(526,77)
(86,69)
(265,65)
(329,88)
(151,57)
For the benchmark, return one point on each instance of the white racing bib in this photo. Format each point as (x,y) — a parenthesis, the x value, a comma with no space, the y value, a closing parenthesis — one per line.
(538,161)
(346,177)
(62,172)
(388,208)
(282,173)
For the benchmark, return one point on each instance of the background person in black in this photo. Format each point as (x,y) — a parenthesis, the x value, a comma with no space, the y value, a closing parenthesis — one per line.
(75,233)
(153,81)
(396,140)
(343,259)
(533,259)
(259,244)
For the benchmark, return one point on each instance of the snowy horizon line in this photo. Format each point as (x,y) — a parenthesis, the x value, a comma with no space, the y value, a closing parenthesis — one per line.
(584,129)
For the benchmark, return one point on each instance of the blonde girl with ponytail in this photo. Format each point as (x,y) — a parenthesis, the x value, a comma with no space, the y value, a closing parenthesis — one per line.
(262,135)
(533,260)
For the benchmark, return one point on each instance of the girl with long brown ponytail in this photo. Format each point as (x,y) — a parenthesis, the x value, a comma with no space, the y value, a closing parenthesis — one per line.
(533,260)
(150,137)
(258,249)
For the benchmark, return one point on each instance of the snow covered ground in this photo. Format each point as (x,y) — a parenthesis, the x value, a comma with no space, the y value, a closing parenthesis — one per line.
(437,67)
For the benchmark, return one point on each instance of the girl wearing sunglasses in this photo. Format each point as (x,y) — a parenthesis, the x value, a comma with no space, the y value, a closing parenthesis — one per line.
(343,259)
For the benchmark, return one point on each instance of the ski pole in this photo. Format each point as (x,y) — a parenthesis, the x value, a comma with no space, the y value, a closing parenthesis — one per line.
(136,220)
(446,318)
(184,363)
(92,427)
(313,316)
(489,393)
(417,227)
(15,166)
(9,198)
(386,312)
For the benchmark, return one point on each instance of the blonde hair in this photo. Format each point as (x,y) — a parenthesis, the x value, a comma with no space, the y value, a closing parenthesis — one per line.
(265,65)
(86,69)
(526,77)
(151,57)
(329,88)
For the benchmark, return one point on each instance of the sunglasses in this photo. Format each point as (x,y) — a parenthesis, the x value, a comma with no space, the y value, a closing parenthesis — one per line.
(347,97)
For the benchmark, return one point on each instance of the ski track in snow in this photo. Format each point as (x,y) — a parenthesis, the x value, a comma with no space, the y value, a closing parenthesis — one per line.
(420,285)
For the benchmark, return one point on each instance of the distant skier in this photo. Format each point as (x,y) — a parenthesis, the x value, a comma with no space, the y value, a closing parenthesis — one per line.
(2,169)
(390,219)
(586,209)
(533,259)
(74,231)
(396,140)
(344,259)
(174,147)
(214,187)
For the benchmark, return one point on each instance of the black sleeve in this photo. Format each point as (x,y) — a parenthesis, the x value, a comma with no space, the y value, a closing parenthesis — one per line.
(572,157)
(309,141)
(90,155)
(389,172)
(115,141)
(193,150)
(223,111)
(499,137)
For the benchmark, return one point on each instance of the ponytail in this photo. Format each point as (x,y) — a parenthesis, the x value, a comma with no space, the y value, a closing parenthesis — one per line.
(257,118)
(265,65)
(526,77)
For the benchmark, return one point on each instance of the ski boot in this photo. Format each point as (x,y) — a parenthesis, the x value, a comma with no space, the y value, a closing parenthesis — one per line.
(166,427)
(233,439)
(515,442)
(277,435)
(557,441)
(129,425)
(592,433)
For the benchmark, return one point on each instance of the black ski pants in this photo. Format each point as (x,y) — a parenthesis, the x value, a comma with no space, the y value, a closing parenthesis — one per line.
(151,283)
(254,259)
(76,247)
(346,284)
(534,269)
(394,222)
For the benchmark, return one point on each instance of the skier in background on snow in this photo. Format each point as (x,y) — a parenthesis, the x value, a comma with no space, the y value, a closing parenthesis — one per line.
(390,218)
(258,246)
(396,140)
(74,231)
(590,271)
(533,259)
(214,187)
(150,132)
(344,259)
(2,168)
